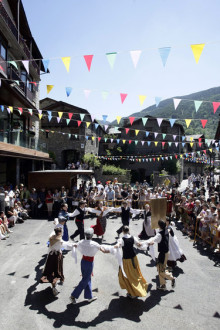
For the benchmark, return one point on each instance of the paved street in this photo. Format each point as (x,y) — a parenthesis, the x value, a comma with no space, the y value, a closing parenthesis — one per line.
(27,304)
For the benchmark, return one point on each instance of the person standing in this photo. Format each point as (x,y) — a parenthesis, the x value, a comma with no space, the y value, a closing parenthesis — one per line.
(162,238)
(88,249)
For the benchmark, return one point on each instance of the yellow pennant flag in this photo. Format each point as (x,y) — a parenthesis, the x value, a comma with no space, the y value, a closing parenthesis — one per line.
(40,115)
(191,144)
(210,150)
(11,109)
(118,119)
(188,121)
(139,160)
(93,138)
(156,143)
(181,156)
(60,114)
(66,62)
(158,158)
(88,124)
(191,139)
(142,98)
(137,131)
(123,141)
(197,51)
(51,131)
(49,88)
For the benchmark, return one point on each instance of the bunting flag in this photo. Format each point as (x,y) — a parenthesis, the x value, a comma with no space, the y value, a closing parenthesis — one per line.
(203,121)
(123,141)
(123,97)
(131,120)
(66,62)
(197,105)
(60,114)
(93,138)
(82,115)
(92,118)
(67,121)
(156,143)
(191,144)
(174,137)
(118,119)
(135,56)
(172,121)
(155,135)
(142,142)
(49,88)
(70,115)
(215,106)
(142,98)
(104,95)
(2,107)
(111,57)
(20,111)
(68,91)
(147,133)
(99,139)
(188,121)
(49,115)
(176,144)
(58,119)
(104,117)
(30,111)
(164,53)
(10,109)
(88,124)
(157,100)
(40,115)
(87,92)
(197,51)
(106,127)
(88,60)
(144,120)
(45,64)
(26,65)
(137,131)
(129,141)
(148,143)
(164,135)
(13,63)
(176,102)
(159,121)
(96,126)
(163,144)
(126,130)
(118,140)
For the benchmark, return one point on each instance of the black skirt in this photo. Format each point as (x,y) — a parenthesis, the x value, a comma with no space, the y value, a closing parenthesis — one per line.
(53,270)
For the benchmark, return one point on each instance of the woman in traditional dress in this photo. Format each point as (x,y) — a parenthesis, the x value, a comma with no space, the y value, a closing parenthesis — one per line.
(101,212)
(147,231)
(134,282)
(53,270)
(64,214)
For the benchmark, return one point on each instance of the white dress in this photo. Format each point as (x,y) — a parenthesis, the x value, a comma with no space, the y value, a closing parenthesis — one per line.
(175,252)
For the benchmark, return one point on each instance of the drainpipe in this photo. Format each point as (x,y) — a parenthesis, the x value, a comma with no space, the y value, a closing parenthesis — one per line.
(18,20)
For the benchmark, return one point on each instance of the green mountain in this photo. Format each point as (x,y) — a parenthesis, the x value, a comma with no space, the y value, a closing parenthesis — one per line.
(186,110)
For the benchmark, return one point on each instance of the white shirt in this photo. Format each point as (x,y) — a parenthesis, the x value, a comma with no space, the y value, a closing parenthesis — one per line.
(156,239)
(88,247)
(121,241)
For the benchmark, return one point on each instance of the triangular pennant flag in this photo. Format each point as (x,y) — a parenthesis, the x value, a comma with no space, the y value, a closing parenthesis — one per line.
(176,144)
(99,138)
(13,63)
(129,141)
(174,137)
(96,126)
(49,88)
(142,142)
(197,105)
(176,156)
(188,121)
(45,64)
(135,55)
(49,115)
(67,121)
(156,143)
(159,121)
(40,115)
(164,53)
(11,109)
(2,107)
(112,140)
(147,133)
(20,110)
(60,114)
(148,143)
(183,144)
(155,135)
(215,106)
(93,138)
(169,143)
(76,136)
(157,100)
(106,127)
(126,130)
(105,139)
(26,65)
(137,131)
(123,141)
(104,95)
(191,144)
(58,119)
(164,135)
(111,59)
(197,51)
(176,103)
(30,111)
(68,91)
(123,97)
(87,92)
(142,98)
(118,140)
(39,111)
(104,117)
(92,118)
(172,121)
(144,120)
(118,119)
(82,115)
(88,123)
(66,62)
(163,144)
(203,121)
(88,59)
(70,115)
(131,120)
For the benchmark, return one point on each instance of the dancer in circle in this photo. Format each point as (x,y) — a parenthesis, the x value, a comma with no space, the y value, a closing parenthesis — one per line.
(134,283)
(147,231)
(101,221)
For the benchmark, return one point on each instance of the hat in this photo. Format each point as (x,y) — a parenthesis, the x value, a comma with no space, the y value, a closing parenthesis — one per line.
(99,182)
(89,233)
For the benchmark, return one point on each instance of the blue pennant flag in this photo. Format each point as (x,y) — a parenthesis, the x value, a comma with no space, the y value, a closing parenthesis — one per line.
(96,126)
(183,144)
(183,138)
(46,64)
(172,121)
(157,100)
(164,53)
(2,107)
(147,133)
(49,115)
(87,137)
(104,117)
(118,140)
(68,91)
(148,143)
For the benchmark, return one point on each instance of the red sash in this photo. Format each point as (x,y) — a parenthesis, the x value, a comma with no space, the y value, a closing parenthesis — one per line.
(88,258)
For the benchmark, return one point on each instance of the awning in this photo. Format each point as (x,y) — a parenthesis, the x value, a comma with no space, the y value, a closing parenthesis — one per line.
(11,150)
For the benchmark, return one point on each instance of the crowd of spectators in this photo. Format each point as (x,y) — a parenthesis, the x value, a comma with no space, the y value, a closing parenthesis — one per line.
(77,166)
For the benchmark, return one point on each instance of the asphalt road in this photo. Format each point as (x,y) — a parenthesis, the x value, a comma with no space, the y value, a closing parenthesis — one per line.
(27,304)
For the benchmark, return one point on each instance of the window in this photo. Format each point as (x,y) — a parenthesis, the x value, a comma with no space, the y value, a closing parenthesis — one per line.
(24,76)
(30,85)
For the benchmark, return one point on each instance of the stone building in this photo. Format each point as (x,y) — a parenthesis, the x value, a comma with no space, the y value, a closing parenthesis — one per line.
(69,142)
(19,130)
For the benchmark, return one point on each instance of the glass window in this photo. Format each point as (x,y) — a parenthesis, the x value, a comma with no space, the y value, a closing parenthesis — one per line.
(3,52)
(23,76)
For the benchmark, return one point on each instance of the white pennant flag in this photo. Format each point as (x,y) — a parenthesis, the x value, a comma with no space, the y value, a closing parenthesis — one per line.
(159,121)
(135,55)
(176,103)
(87,92)
(26,65)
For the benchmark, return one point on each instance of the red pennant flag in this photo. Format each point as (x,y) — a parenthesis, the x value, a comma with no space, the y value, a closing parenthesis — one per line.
(88,59)
(70,115)
(203,121)
(131,119)
(79,122)
(99,138)
(176,156)
(20,110)
(204,151)
(200,143)
(123,97)
(126,130)
(129,141)
(215,106)
(154,159)
(1,68)
(163,144)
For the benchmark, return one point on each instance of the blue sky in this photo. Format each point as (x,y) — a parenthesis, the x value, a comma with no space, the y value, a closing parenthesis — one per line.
(82,27)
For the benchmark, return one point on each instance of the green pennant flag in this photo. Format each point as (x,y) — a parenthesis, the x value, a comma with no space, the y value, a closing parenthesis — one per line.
(82,115)
(170,143)
(105,139)
(144,120)
(164,135)
(136,142)
(67,121)
(111,58)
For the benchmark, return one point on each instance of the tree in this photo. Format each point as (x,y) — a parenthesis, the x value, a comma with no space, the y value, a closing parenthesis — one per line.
(91,160)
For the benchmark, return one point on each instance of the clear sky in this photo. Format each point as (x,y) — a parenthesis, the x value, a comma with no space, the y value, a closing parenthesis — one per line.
(83,27)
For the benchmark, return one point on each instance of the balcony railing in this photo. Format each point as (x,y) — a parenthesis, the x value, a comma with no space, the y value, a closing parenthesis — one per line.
(14,31)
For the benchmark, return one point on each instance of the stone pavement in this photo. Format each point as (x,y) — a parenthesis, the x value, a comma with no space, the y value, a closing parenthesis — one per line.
(26,304)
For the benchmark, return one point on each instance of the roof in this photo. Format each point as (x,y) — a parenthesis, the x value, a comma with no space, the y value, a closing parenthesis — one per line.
(64,171)
(194,137)
(54,104)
